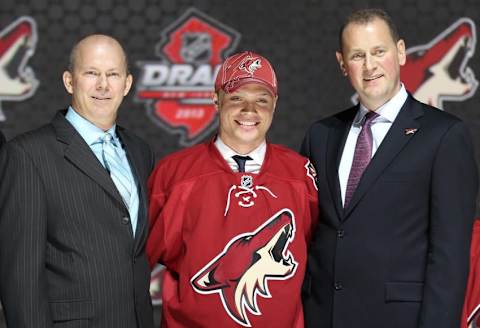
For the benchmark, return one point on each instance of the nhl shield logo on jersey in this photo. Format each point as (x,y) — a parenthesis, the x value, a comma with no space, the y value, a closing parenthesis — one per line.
(246,181)
(17,44)
(246,193)
(237,279)
(177,89)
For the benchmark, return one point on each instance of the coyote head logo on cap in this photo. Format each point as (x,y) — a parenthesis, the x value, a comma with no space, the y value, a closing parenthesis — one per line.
(250,65)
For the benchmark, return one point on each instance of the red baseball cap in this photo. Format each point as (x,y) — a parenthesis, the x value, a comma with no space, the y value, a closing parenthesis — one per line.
(245,67)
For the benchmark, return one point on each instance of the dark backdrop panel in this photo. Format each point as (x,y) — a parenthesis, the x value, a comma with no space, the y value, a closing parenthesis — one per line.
(299,37)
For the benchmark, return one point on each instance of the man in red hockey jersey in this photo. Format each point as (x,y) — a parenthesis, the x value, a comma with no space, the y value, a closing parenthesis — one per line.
(231,219)
(471,306)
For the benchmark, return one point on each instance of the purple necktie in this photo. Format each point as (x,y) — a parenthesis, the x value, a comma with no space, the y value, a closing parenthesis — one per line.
(361,157)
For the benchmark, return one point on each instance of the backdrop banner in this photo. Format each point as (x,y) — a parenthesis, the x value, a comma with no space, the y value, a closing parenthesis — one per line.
(175,48)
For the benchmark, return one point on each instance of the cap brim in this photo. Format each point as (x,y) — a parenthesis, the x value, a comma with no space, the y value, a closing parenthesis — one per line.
(244,81)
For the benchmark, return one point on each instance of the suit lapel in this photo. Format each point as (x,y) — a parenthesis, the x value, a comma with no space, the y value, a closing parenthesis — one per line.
(137,162)
(80,155)
(393,143)
(337,136)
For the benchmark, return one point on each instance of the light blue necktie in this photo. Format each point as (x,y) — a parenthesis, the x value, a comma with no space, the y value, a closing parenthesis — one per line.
(113,163)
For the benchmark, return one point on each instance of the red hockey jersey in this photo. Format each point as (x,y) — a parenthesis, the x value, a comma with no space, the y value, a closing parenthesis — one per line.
(234,244)
(471,308)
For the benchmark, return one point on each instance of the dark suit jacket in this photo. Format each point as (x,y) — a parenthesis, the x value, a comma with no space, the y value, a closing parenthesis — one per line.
(68,257)
(398,255)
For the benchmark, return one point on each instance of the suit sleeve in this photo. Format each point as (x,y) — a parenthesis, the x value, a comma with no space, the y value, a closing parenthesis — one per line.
(471,306)
(23,239)
(454,186)
(311,182)
(312,198)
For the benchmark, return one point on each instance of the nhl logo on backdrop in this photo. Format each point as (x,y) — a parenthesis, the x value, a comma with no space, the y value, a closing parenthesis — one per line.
(177,89)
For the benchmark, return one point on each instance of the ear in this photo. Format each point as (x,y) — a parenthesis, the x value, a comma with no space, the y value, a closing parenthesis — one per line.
(216,100)
(204,281)
(68,81)
(128,84)
(275,103)
(402,56)
(341,63)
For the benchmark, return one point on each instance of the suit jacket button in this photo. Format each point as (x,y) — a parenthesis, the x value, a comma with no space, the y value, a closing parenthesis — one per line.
(338,285)
(125,220)
(340,233)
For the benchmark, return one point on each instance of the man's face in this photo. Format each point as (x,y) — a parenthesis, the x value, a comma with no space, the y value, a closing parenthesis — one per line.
(99,81)
(371,59)
(245,116)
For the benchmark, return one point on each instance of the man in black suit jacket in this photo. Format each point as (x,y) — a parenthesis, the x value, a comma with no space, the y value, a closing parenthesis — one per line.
(392,245)
(69,253)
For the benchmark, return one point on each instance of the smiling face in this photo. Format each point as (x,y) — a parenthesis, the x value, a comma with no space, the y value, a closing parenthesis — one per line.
(98,80)
(371,59)
(245,116)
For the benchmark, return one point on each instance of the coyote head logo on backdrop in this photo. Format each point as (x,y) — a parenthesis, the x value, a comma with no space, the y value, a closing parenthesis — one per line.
(17,45)
(437,71)
(238,279)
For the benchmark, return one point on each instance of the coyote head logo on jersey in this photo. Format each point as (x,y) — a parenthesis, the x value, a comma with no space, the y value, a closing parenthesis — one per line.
(243,269)
(473,320)
(17,45)
(438,71)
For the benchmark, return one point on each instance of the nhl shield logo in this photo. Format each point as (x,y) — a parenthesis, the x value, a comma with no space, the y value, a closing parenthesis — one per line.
(196,47)
(177,88)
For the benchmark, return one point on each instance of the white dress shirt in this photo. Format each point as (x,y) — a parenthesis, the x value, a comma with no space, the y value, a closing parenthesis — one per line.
(380,126)
(251,166)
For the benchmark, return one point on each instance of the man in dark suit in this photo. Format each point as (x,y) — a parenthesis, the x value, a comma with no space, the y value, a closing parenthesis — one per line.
(2,139)
(73,207)
(397,188)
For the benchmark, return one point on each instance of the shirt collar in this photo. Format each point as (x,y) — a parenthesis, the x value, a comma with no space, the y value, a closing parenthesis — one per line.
(89,131)
(388,111)
(257,155)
